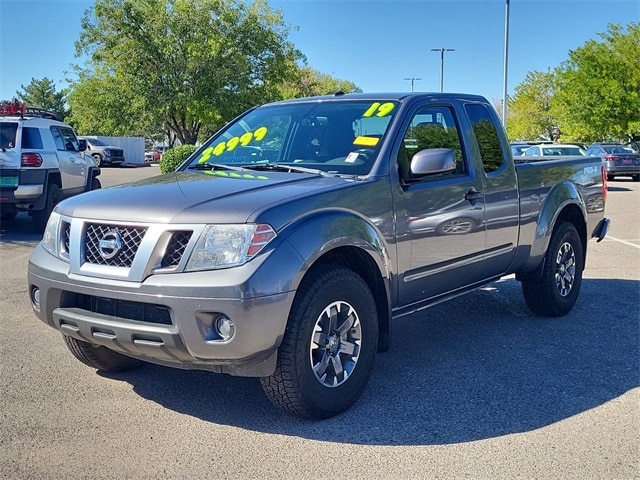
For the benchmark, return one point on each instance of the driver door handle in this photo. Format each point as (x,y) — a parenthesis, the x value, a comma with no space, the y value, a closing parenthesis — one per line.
(473,195)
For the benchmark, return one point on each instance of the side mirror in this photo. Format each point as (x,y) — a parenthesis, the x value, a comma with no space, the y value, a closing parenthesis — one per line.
(82,144)
(433,160)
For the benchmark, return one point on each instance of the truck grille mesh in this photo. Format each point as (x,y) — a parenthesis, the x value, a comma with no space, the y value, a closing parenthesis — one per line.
(175,249)
(130,241)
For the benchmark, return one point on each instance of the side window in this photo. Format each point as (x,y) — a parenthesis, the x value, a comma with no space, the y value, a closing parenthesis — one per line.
(487,137)
(533,151)
(70,140)
(431,127)
(31,138)
(8,132)
(57,138)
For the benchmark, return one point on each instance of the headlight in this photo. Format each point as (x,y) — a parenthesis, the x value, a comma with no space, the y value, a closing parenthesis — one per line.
(51,237)
(223,246)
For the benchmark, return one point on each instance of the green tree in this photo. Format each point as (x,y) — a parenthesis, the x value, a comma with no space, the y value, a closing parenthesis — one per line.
(598,88)
(308,82)
(194,63)
(102,104)
(42,94)
(529,113)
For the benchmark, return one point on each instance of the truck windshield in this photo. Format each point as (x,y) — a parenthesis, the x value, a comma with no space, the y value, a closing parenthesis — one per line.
(333,137)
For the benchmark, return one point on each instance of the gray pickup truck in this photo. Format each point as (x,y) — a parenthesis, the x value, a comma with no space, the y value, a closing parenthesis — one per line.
(287,244)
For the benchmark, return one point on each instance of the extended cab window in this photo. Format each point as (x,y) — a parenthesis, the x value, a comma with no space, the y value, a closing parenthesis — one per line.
(431,127)
(486,136)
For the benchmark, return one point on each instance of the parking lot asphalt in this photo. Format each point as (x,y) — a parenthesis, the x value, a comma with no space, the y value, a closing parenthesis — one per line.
(476,388)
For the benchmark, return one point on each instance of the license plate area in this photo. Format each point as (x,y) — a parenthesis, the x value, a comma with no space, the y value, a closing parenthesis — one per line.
(8,182)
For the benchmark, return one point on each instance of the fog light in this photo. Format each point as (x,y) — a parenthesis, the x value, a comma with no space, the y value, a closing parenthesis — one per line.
(225,327)
(35,297)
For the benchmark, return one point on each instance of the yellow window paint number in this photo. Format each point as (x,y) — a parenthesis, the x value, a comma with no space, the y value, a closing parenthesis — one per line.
(231,144)
(379,109)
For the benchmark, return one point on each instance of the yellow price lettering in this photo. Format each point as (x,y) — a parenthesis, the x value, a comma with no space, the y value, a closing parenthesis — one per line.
(246,138)
(219,149)
(232,143)
(379,109)
(260,133)
(206,155)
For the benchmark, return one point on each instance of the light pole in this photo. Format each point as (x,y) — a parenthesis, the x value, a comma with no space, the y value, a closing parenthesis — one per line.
(506,58)
(412,79)
(442,50)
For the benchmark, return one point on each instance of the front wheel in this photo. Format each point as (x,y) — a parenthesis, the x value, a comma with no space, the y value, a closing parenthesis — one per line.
(556,292)
(100,358)
(329,345)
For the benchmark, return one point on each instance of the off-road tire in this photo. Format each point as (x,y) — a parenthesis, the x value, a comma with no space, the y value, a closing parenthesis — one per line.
(331,299)
(555,294)
(100,358)
(40,217)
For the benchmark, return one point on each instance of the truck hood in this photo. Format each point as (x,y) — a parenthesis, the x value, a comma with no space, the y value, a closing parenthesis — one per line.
(198,197)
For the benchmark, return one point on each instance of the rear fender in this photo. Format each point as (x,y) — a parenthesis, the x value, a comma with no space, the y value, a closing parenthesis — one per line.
(562,201)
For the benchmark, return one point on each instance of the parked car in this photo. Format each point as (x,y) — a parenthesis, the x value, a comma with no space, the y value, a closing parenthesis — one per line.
(41,162)
(103,153)
(154,155)
(554,150)
(518,148)
(618,159)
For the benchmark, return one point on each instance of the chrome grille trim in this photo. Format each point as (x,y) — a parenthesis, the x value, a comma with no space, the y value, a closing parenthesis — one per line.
(131,239)
(148,249)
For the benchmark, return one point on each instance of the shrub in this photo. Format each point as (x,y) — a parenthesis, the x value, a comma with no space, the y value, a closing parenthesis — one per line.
(173,158)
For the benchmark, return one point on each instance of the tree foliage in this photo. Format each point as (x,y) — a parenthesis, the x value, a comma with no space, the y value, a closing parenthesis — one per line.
(191,63)
(529,113)
(594,95)
(598,88)
(308,82)
(42,94)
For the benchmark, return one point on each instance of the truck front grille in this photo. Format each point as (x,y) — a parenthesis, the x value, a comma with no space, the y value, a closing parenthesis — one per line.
(141,312)
(113,245)
(175,249)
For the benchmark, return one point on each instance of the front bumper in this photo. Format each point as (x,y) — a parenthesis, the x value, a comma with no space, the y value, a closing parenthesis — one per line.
(167,318)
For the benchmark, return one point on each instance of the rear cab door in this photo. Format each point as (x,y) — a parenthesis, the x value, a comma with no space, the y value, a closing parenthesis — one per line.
(500,187)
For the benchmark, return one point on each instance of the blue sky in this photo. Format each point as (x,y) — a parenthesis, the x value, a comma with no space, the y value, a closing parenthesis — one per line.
(375,44)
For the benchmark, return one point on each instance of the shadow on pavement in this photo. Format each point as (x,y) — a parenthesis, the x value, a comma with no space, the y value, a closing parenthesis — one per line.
(473,368)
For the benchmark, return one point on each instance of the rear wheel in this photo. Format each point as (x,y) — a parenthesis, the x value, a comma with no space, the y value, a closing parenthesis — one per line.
(95,184)
(328,348)
(556,292)
(100,358)
(40,217)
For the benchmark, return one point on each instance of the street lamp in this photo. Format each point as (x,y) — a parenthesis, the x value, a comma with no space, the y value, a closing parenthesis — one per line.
(442,50)
(506,58)
(412,79)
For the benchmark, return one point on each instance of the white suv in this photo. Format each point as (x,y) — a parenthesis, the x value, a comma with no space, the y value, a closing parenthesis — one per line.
(41,162)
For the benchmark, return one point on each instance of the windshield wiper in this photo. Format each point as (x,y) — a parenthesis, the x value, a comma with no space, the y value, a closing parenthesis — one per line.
(287,168)
(214,166)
